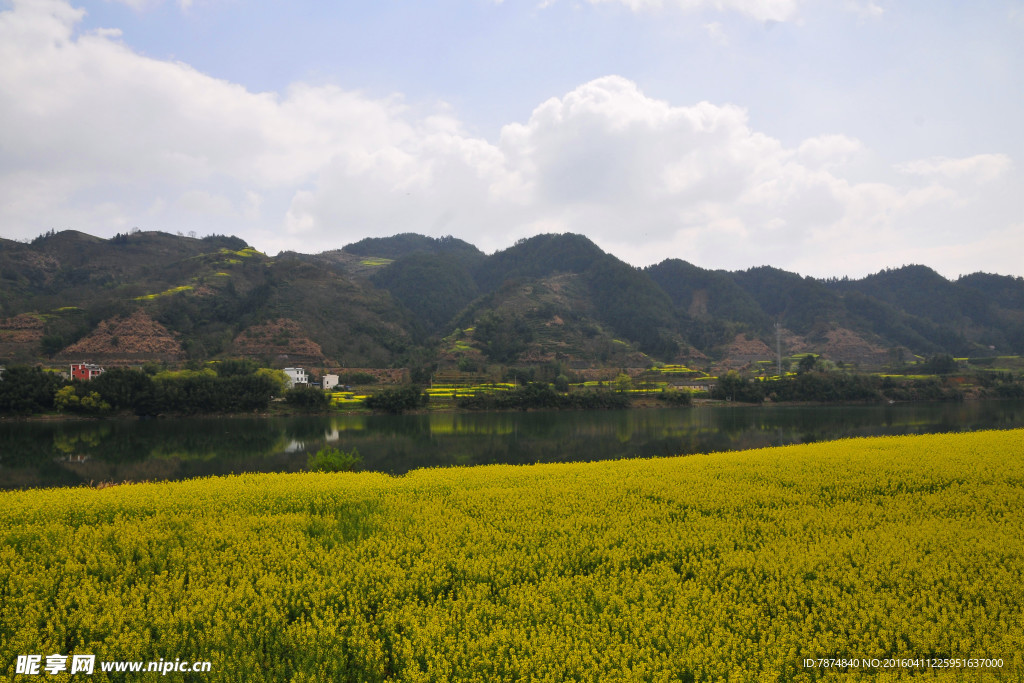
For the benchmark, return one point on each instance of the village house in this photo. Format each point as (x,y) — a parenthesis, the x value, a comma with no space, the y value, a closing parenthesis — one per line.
(329,382)
(85,371)
(296,376)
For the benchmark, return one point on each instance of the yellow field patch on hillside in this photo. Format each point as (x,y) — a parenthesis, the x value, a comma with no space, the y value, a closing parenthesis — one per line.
(376,262)
(168,292)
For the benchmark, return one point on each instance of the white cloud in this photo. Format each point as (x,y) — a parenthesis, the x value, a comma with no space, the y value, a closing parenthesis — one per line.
(84,114)
(137,4)
(650,180)
(867,9)
(149,4)
(207,203)
(606,156)
(828,151)
(766,11)
(716,33)
(982,168)
(761,10)
(99,138)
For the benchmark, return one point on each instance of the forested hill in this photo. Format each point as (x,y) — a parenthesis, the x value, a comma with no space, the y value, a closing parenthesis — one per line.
(412,300)
(75,297)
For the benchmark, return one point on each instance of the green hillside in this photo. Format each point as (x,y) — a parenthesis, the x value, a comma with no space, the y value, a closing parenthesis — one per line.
(539,321)
(205,291)
(433,287)
(411,300)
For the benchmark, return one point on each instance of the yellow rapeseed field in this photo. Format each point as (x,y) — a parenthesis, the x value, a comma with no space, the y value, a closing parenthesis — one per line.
(747,566)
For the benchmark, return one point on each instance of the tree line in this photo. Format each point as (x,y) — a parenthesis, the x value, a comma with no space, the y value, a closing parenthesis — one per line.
(28,390)
(834,387)
(542,395)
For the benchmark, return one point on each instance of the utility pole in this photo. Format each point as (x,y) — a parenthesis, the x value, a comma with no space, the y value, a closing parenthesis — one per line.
(778,346)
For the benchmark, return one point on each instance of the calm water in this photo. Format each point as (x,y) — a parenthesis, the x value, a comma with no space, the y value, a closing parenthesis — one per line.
(57,453)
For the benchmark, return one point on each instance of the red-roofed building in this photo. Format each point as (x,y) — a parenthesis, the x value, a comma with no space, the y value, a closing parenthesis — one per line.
(85,371)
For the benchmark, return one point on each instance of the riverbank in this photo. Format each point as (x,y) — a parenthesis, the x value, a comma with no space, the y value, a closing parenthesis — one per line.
(635,402)
(41,453)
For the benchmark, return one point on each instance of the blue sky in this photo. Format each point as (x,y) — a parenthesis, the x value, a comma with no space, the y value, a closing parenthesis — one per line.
(830,138)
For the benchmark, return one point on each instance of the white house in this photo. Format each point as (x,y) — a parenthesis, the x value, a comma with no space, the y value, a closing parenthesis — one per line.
(296,376)
(329,382)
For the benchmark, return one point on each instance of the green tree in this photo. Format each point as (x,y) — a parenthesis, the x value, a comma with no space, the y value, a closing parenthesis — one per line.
(807,363)
(396,400)
(66,399)
(504,336)
(232,367)
(622,383)
(92,403)
(28,390)
(329,459)
(733,387)
(307,398)
(277,379)
(123,387)
(676,397)
(939,364)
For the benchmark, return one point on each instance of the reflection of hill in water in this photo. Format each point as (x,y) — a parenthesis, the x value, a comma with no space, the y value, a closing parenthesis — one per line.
(78,452)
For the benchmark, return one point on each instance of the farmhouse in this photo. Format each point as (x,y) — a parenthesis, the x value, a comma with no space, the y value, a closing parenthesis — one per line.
(329,382)
(296,376)
(85,371)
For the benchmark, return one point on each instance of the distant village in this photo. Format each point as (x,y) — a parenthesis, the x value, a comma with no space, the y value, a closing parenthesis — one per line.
(296,376)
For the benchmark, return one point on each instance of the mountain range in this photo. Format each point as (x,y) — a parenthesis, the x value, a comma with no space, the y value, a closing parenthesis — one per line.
(416,301)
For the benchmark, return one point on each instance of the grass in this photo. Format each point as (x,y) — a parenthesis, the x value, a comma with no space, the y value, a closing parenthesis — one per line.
(247,252)
(172,290)
(347,398)
(675,370)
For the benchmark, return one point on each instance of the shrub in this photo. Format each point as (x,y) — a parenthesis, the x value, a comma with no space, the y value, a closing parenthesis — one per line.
(28,390)
(674,397)
(540,395)
(90,402)
(396,400)
(309,398)
(329,459)
(357,378)
(732,387)
(940,364)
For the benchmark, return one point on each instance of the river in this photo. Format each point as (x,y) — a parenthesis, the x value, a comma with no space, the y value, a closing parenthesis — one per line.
(71,453)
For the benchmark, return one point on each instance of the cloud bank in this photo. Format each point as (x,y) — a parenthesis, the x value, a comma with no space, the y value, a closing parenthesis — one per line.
(758,10)
(97,137)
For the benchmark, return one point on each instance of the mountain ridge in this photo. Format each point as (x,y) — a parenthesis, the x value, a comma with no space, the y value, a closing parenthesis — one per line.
(412,300)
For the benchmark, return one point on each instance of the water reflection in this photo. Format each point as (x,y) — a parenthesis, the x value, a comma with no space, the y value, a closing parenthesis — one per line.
(59,453)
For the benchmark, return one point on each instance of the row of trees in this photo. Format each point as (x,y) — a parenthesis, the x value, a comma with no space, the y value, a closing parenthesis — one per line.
(541,395)
(833,387)
(27,390)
